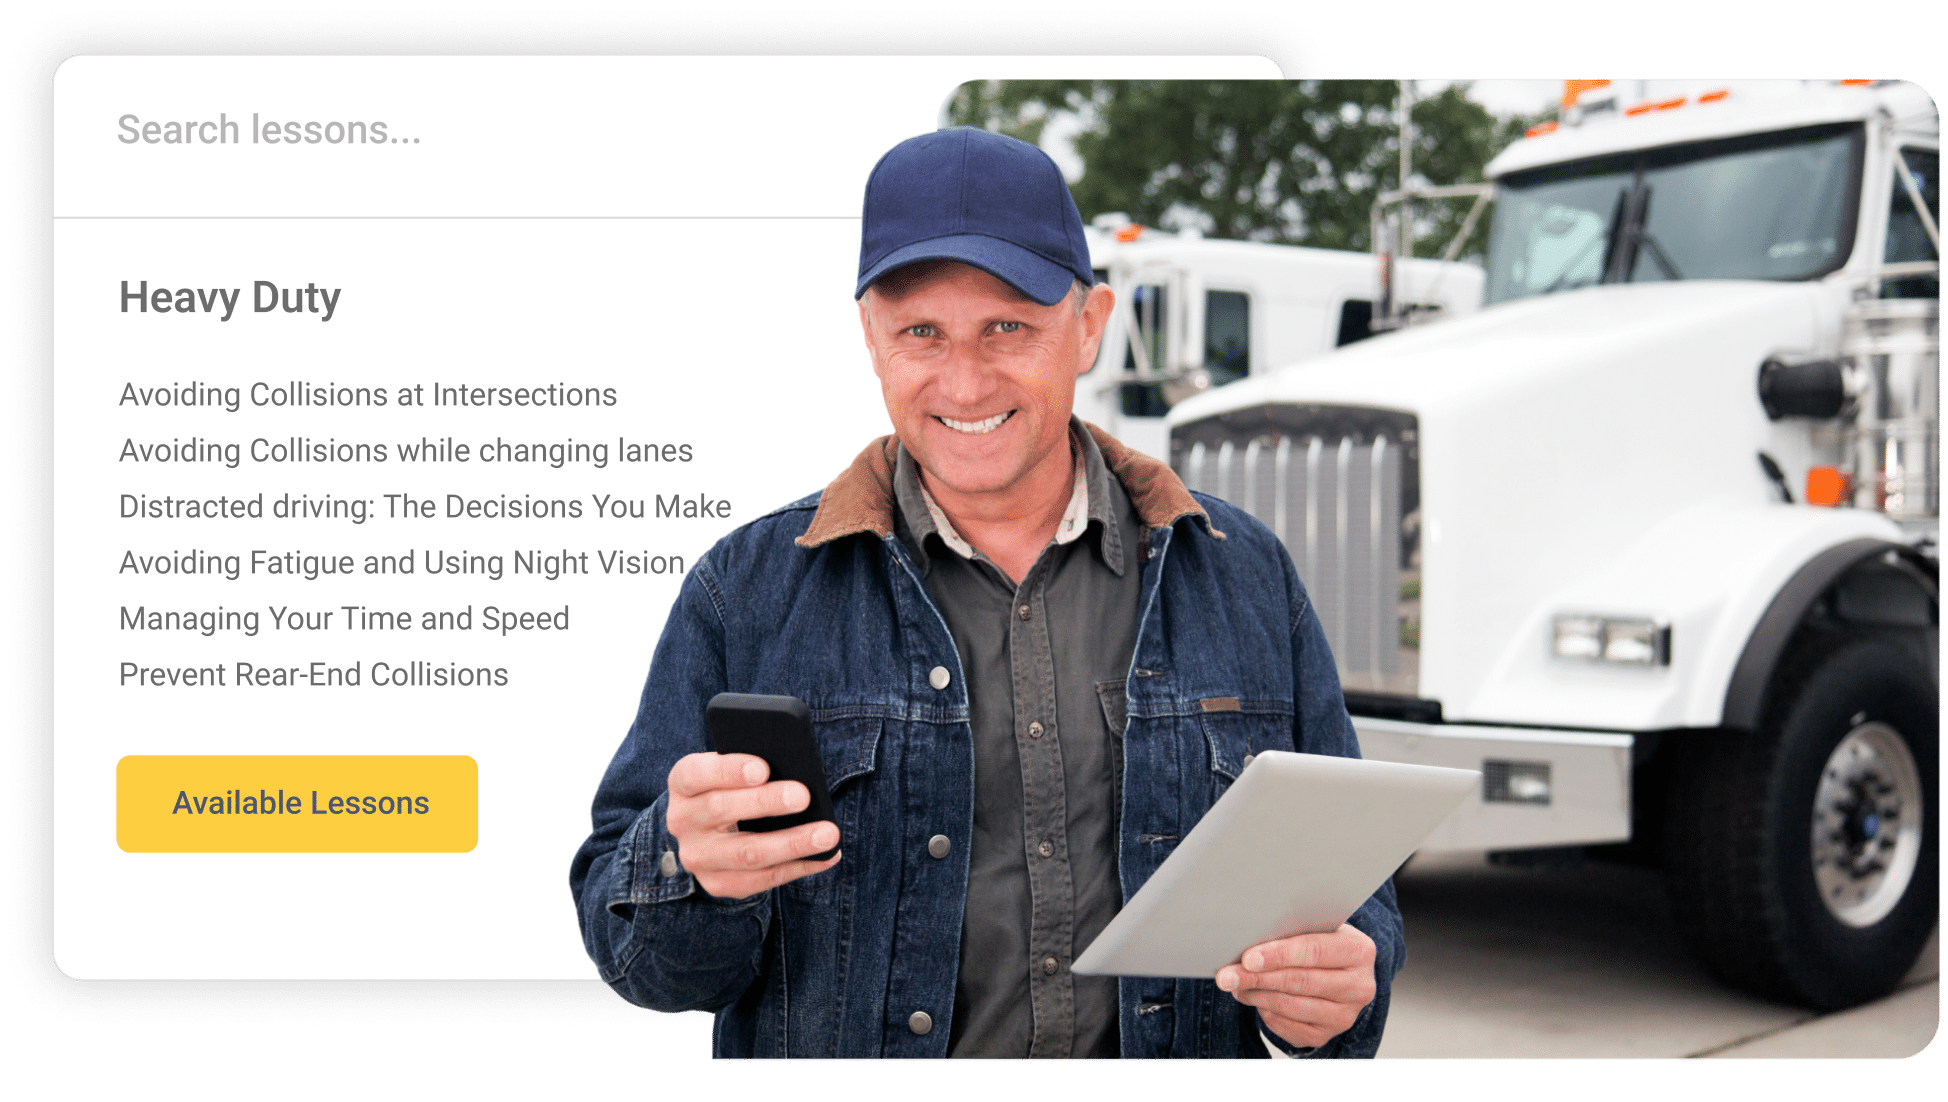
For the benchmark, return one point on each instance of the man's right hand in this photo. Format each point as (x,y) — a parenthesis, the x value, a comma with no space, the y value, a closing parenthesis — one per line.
(709,793)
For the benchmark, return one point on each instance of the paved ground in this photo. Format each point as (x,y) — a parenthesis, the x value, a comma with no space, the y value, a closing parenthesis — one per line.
(1584,961)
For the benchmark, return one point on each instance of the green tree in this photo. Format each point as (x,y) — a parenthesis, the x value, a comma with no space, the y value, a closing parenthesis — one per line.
(1293,162)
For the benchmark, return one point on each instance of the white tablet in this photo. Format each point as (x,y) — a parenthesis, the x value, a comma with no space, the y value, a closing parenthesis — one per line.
(1294,847)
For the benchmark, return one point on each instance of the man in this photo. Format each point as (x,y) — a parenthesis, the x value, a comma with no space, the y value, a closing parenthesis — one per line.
(1033,660)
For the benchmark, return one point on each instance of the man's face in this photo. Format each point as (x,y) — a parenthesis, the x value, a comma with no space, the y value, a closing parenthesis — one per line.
(978,379)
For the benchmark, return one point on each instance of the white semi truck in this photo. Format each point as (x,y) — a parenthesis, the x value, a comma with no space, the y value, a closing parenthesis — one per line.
(1650,540)
(1195,314)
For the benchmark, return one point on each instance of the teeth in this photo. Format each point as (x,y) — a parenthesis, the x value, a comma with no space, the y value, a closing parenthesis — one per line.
(976,427)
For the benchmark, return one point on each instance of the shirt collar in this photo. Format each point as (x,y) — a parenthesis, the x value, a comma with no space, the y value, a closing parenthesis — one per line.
(1089,500)
(861,499)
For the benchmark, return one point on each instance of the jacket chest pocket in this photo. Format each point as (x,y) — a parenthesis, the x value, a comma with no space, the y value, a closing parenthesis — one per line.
(1183,761)
(1233,736)
(848,750)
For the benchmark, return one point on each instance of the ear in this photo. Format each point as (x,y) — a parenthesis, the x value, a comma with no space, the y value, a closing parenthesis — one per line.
(1095,318)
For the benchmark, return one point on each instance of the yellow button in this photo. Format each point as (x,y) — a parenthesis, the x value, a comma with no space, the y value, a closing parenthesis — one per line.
(297,803)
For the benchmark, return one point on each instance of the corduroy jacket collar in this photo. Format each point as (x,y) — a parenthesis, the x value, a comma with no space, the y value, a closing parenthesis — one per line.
(861,498)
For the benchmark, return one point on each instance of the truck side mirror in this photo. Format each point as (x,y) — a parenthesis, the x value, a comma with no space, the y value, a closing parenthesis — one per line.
(1813,389)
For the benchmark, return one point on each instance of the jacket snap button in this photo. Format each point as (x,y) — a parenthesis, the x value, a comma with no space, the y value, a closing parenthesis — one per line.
(1046,849)
(1248,758)
(939,846)
(1024,612)
(668,864)
(921,1023)
(939,677)
(1035,729)
(1048,966)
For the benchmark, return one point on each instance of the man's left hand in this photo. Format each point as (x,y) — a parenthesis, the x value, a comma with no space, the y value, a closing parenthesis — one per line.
(1309,988)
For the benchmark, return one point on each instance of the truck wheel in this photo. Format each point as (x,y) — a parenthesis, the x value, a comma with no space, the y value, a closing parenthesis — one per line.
(1803,857)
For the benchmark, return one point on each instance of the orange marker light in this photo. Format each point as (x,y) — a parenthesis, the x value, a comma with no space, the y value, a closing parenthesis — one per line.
(1571,89)
(1648,106)
(1540,129)
(1129,233)
(1714,95)
(1855,83)
(1827,486)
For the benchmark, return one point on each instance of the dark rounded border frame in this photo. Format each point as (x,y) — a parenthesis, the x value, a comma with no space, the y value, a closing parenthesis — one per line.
(34,402)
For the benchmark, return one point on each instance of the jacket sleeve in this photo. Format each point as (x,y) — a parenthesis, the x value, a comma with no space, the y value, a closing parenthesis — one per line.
(1325,728)
(655,936)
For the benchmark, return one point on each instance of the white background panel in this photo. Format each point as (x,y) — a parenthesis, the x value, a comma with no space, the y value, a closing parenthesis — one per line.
(544,232)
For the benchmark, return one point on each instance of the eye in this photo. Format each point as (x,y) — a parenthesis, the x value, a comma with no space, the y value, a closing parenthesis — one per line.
(923,331)
(1007,327)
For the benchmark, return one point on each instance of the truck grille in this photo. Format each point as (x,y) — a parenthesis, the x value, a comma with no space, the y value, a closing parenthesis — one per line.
(1340,487)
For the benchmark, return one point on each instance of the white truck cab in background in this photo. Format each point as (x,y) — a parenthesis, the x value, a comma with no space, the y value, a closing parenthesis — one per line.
(1195,314)
(1651,538)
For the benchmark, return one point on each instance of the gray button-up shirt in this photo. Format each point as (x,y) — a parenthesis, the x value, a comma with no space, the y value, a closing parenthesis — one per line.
(1045,661)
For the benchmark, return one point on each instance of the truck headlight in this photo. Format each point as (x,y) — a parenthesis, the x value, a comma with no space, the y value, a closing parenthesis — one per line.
(1579,637)
(1630,642)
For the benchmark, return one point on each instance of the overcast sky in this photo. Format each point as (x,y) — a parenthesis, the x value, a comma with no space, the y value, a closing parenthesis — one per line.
(1505,97)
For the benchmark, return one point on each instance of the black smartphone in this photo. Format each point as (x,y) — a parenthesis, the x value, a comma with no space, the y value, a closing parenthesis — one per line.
(779,730)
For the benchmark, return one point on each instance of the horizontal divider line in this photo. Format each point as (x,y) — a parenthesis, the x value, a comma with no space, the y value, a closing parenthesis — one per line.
(462,217)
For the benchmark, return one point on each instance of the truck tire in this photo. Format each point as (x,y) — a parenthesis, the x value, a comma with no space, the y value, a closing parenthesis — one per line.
(1803,857)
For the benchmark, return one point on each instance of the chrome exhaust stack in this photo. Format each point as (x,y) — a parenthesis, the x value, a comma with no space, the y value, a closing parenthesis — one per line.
(1890,438)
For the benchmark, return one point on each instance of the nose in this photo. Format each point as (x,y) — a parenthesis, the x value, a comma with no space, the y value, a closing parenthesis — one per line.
(965,378)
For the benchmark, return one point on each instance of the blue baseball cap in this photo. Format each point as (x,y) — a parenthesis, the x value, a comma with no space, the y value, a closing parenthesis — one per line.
(980,198)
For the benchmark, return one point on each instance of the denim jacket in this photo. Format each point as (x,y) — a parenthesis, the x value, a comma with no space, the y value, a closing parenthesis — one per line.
(820,600)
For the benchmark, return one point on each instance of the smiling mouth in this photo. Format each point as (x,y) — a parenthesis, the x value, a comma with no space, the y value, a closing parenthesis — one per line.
(976,428)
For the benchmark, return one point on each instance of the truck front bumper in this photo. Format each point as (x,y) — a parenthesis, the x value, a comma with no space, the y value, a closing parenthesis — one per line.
(1539,787)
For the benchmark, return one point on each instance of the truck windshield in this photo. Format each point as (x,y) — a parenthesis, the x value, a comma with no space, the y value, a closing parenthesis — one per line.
(1777,206)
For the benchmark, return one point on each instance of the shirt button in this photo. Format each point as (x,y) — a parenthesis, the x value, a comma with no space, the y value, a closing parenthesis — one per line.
(939,677)
(1035,729)
(1046,849)
(939,846)
(668,864)
(1023,612)
(1048,966)
(921,1023)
